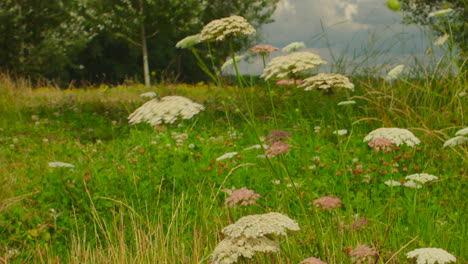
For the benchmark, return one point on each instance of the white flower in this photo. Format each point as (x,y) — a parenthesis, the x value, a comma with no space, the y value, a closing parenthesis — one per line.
(230,62)
(148,95)
(392,183)
(230,249)
(294,63)
(219,29)
(347,102)
(441,40)
(440,12)
(412,184)
(258,146)
(326,81)
(228,155)
(166,110)
(294,46)
(340,132)
(397,136)
(421,177)
(188,42)
(462,132)
(395,72)
(431,256)
(455,141)
(59,164)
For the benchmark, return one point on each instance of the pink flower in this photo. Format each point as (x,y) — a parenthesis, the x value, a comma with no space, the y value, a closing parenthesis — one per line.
(277,148)
(263,49)
(289,82)
(277,135)
(381,144)
(362,254)
(244,196)
(312,260)
(359,224)
(327,203)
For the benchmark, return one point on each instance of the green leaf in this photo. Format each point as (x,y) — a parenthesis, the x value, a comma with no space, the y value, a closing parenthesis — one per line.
(393,5)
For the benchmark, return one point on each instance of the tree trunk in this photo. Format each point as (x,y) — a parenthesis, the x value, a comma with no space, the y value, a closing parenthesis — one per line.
(144,50)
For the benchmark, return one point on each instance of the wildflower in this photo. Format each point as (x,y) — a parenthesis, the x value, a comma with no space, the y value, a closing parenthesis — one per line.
(440,12)
(243,196)
(166,110)
(441,40)
(294,46)
(397,136)
(327,203)
(291,64)
(230,249)
(412,184)
(289,82)
(381,144)
(219,29)
(295,184)
(462,132)
(263,49)
(340,132)
(395,72)
(277,135)
(188,42)
(362,254)
(230,62)
(347,102)
(392,183)
(359,224)
(459,140)
(421,177)
(327,81)
(317,129)
(59,164)
(277,148)
(148,95)
(258,146)
(228,155)
(312,260)
(431,256)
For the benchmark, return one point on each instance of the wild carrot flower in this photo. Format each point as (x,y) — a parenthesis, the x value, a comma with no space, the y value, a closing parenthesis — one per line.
(347,102)
(277,135)
(277,148)
(59,164)
(166,110)
(340,132)
(327,81)
(312,260)
(441,40)
(421,177)
(148,95)
(289,82)
(263,49)
(291,64)
(294,46)
(228,155)
(230,249)
(327,203)
(431,256)
(395,72)
(219,29)
(455,141)
(392,183)
(243,196)
(188,42)
(379,144)
(397,136)
(462,132)
(363,254)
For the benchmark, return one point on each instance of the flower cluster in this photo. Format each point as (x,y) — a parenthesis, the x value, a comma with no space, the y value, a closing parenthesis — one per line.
(291,64)
(228,155)
(459,139)
(277,148)
(166,110)
(277,135)
(397,136)
(263,49)
(395,72)
(220,29)
(188,42)
(251,234)
(382,144)
(148,95)
(312,260)
(418,179)
(243,196)
(327,81)
(59,164)
(327,203)
(293,46)
(362,254)
(431,256)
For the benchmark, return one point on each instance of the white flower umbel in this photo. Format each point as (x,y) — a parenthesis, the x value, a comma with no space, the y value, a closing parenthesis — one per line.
(228,155)
(59,164)
(431,256)
(260,225)
(458,140)
(421,177)
(231,249)
(392,183)
(397,136)
(166,110)
(395,72)
(340,132)
(188,42)
(293,46)
(258,146)
(291,64)
(412,184)
(148,95)
(220,29)
(462,132)
(440,12)
(441,40)
(347,102)
(326,81)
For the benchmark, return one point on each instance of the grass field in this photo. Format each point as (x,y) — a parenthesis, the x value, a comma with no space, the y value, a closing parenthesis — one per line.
(143,194)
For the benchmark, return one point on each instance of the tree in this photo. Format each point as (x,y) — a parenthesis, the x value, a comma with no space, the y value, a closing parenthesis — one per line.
(453,23)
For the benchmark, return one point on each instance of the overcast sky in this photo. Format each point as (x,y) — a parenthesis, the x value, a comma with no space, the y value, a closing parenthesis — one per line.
(348,28)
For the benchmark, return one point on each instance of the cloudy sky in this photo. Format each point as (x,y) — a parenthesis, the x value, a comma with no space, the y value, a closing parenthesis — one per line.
(363,31)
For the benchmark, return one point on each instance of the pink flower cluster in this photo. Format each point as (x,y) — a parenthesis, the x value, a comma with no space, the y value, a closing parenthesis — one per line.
(277,148)
(263,49)
(289,82)
(363,254)
(243,196)
(381,144)
(277,135)
(312,260)
(327,203)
